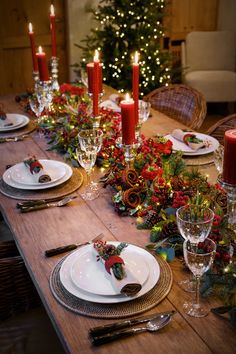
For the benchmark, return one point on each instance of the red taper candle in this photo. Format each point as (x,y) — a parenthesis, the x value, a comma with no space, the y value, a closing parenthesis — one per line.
(95,83)
(229,164)
(135,85)
(33,48)
(128,122)
(89,68)
(42,65)
(53,31)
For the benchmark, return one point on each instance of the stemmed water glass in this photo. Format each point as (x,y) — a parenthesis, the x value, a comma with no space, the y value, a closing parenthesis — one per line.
(198,259)
(87,161)
(143,114)
(194,223)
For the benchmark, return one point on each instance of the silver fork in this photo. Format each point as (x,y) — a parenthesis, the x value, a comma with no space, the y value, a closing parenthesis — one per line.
(60,203)
(14,138)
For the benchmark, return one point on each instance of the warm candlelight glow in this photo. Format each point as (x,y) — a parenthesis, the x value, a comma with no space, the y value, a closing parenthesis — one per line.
(136,58)
(40,50)
(30,28)
(52,12)
(127,98)
(96,55)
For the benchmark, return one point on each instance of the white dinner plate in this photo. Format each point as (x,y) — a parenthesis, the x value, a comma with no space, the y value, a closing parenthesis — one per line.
(21,174)
(154,274)
(212,145)
(8,179)
(90,275)
(18,121)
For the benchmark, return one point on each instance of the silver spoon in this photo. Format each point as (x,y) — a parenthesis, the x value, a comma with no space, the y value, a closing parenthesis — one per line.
(152,326)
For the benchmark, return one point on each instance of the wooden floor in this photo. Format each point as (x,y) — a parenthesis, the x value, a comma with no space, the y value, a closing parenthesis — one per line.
(215,112)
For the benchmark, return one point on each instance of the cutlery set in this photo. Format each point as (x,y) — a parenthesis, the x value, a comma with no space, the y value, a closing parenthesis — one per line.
(108,333)
(33,205)
(14,138)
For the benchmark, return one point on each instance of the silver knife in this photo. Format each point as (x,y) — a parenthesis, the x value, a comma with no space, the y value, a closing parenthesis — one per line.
(100,330)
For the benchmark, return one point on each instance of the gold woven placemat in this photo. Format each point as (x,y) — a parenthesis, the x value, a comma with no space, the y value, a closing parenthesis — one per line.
(31,126)
(199,160)
(118,310)
(57,192)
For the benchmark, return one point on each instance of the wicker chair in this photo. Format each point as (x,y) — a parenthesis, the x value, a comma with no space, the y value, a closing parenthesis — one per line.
(17,292)
(179,102)
(218,130)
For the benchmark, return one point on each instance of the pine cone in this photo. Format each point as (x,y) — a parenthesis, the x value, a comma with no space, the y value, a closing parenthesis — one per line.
(169,230)
(177,183)
(150,220)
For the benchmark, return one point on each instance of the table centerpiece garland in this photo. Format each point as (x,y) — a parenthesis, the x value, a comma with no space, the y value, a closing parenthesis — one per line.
(156,185)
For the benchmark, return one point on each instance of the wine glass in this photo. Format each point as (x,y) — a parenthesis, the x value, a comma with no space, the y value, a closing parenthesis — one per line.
(90,139)
(218,156)
(194,223)
(198,259)
(37,107)
(87,160)
(143,114)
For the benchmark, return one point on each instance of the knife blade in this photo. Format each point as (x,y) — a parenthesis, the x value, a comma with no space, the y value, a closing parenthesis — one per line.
(100,330)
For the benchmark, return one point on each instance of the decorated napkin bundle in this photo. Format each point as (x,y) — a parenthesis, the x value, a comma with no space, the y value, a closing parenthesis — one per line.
(4,121)
(190,139)
(36,169)
(121,277)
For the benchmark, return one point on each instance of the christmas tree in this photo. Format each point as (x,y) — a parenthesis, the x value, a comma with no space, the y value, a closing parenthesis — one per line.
(126,26)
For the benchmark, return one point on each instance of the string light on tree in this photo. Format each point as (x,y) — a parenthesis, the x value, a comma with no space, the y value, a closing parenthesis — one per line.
(118,23)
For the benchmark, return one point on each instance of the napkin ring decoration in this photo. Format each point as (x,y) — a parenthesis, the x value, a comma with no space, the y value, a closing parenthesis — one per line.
(115,266)
(189,138)
(4,121)
(36,169)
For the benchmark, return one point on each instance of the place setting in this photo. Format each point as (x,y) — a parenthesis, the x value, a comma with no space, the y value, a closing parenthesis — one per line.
(40,180)
(192,145)
(109,279)
(14,126)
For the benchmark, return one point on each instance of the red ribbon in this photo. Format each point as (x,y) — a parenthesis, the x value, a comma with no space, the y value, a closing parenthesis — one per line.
(111,261)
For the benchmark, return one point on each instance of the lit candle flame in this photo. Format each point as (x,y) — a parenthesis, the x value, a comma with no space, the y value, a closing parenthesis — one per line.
(40,49)
(136,58)
(127,98)
(96,55)
(30,28)
(52,12)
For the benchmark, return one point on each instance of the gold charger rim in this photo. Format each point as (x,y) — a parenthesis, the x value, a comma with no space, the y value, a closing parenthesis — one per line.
(49,194)
(116,310)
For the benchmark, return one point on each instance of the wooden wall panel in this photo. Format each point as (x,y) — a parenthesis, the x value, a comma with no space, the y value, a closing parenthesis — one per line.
(15,52)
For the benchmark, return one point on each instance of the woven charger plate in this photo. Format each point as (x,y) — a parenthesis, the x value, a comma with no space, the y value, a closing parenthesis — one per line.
(57,192)
(199,160)
(125,309)
(31,126)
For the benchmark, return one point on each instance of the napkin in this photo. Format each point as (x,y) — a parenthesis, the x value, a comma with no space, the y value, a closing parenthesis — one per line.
(110,105)
(36,169)
(189,138)
(4,120)
(121,277)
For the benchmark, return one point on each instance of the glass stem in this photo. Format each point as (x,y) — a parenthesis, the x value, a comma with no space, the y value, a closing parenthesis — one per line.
(197,303)
(89,177)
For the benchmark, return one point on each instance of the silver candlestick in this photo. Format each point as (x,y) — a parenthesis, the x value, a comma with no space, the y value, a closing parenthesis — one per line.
(54,72)
(231,202)
(130,150)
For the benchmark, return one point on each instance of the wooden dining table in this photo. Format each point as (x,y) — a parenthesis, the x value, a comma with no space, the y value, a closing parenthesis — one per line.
(81,221)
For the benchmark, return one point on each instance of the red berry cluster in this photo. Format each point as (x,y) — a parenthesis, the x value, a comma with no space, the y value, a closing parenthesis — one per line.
(179,199)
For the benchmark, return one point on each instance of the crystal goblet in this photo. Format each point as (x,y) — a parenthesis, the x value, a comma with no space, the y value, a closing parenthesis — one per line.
(87,161)
(198,259)
(194,223)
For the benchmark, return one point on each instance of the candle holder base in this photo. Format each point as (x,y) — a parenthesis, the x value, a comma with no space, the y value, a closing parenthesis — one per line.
(54,71)
(130,150)
(231,201)
(96,121)
(35,77)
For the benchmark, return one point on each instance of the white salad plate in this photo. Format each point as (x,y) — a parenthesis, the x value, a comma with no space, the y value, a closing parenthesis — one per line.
(211,145)
(21,174)
(90,275)
(48,165)
(67,282)
(18,121)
